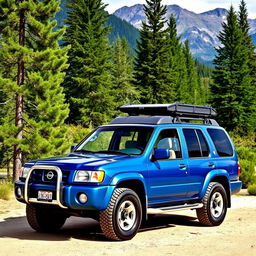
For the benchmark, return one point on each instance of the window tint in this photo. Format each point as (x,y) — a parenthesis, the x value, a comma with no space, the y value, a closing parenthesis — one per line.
(169,139)
(203,143)
(221,142)
(192,143)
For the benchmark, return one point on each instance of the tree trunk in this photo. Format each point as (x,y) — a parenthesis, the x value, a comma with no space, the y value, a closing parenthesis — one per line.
(17,156)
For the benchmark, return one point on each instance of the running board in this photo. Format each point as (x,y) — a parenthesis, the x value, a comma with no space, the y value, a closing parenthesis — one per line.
(166,210)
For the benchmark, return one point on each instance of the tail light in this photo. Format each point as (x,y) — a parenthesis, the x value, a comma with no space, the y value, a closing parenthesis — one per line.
(238,169)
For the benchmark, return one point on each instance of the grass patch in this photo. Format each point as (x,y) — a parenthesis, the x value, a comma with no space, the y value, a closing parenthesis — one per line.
(6,189)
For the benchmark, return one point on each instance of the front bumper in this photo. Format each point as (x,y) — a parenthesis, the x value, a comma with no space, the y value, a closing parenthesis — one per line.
(98,196)
(64,196)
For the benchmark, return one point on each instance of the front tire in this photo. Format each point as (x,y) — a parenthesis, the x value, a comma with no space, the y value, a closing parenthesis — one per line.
(43,219)
(215,205)
(122,218)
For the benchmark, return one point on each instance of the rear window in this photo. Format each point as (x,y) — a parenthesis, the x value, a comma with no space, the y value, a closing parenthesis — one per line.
(221,142)
(196,143)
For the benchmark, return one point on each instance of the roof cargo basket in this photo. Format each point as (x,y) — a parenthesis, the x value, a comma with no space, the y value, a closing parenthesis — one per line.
(175,110)
(180,112)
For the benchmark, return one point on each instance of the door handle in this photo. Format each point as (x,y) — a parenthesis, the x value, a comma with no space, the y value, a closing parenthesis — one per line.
(211,164)
(182,166)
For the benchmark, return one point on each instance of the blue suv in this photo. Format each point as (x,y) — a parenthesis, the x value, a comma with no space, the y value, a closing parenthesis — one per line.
(158,159)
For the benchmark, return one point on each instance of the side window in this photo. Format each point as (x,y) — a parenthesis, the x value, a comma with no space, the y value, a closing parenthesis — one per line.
(221,142)
(203,143)
(196,143)
(192,143)
(169,139)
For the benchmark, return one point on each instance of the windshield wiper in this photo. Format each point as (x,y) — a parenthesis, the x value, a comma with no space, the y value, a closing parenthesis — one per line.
(112,152)
(84,151)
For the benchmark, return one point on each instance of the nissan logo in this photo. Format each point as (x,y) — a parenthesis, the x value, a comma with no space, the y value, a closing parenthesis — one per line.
(49,175)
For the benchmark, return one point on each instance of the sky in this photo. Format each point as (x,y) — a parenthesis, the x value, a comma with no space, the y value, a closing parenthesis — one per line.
(196,6)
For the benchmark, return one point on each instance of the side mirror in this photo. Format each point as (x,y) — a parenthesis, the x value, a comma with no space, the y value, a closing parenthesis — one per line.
(161,153)
(72,148)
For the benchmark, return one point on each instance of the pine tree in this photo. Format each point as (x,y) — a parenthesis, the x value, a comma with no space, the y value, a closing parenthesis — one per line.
(177,61)
(122,72)
(250,104)
(232,77)
(193,84)
(88,81)
(30,42)
(152,71)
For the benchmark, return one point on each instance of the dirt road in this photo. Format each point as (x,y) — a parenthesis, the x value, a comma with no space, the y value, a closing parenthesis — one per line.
(176,234)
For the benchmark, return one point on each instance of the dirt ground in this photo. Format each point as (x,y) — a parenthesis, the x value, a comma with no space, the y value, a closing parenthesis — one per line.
(176,234)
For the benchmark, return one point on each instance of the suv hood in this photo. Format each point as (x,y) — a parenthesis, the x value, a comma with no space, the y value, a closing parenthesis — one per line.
(79,161)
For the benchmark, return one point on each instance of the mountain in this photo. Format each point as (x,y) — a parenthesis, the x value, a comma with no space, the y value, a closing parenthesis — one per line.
(121,28)
(200,29)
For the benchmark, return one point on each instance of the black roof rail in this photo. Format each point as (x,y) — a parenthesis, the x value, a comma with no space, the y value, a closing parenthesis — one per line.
(181,113)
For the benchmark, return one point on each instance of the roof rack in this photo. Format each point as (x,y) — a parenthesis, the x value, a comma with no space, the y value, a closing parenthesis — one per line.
(179,111)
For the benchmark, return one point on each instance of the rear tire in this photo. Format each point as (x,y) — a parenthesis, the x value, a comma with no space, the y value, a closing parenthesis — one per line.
(122,218)
(43,219)
(215,205)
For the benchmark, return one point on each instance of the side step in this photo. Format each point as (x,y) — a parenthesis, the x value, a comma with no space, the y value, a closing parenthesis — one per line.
(166,210)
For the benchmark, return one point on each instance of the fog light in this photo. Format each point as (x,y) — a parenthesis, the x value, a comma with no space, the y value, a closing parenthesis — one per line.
(82,198)
(18,192)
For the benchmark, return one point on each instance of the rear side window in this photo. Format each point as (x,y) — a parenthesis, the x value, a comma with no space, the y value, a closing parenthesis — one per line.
(203,143)
(221,142)
(196,143)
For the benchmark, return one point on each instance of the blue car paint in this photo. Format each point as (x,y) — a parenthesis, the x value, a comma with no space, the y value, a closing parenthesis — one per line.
(163,181)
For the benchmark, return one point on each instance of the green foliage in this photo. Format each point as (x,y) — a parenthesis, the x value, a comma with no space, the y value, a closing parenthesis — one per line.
(123,29)
(6,189)
(76,133)
(44,112)
(177,62)
(122,73)
(193,83)
(152,71)
(203,69)
(88,81)
(248,141)
(232,91)
(252,189)
(248,42)
(247,159)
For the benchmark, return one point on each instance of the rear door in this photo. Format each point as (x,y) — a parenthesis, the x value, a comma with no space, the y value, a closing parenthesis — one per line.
(199,160)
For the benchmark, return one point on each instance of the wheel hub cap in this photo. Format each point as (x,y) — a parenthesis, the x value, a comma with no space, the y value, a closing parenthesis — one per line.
(216,204)
(126,215)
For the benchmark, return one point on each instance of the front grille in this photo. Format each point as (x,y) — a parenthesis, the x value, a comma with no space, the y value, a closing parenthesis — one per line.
(41,176)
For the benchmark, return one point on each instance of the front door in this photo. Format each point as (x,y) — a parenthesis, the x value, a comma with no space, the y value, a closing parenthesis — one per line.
(167,178)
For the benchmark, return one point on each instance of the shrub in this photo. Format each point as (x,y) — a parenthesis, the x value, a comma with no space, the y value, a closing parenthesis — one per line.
(247,159)
(248,175)
(6,189)
(252,189)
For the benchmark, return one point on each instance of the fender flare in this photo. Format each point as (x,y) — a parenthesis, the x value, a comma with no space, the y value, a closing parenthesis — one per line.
(217,173)
(127,176)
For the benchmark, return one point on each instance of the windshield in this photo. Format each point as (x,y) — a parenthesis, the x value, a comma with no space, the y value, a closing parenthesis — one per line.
(117,140)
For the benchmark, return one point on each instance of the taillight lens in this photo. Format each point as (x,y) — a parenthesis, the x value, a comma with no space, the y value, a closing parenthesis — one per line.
(238,169)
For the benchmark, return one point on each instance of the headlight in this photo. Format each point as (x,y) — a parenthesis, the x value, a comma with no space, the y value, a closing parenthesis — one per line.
(24,172)
(89,176)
